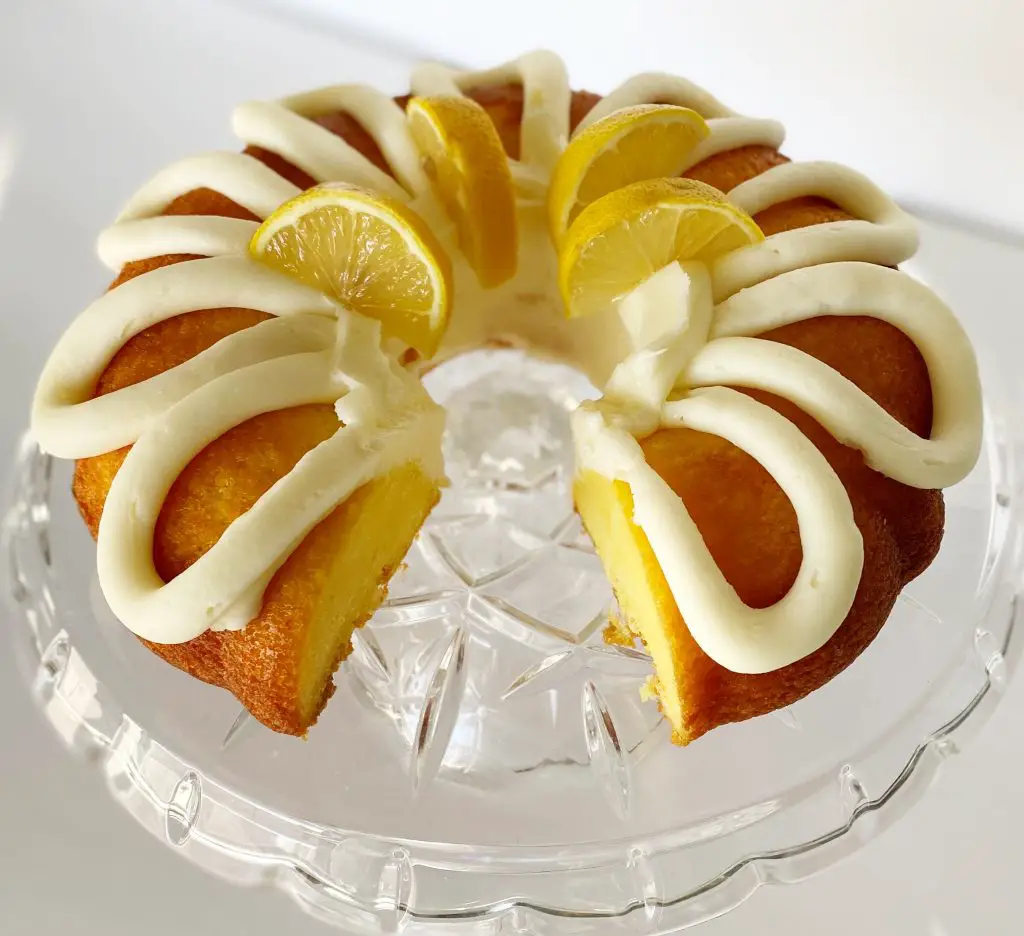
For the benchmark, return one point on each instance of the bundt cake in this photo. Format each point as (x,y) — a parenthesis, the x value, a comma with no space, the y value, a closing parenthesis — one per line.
(761,476)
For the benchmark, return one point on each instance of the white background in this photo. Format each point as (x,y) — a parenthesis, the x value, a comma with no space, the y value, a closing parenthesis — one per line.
(94,96)
(924,96)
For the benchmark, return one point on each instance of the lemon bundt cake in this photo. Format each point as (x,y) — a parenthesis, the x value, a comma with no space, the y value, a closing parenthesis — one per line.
(761,476)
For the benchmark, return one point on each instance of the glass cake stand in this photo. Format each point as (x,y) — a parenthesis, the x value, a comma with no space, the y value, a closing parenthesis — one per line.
(486,763)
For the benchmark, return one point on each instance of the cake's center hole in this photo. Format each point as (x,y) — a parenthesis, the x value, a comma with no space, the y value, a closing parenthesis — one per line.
(508,418)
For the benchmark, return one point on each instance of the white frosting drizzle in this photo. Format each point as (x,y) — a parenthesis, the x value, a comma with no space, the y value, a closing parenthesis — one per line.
(657,88)
(546,100)
(883,233)
(385,419)
(729,133)
(69,424)
(845,289)
(381,116)
(243,179)
(204,236)
(107,422)
(312,148)
(669,319)
(666,335)
(741,638)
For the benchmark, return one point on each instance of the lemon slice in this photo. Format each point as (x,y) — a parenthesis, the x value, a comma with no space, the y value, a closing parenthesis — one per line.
(623,238)
(373,254)
(649,141)
(465,161)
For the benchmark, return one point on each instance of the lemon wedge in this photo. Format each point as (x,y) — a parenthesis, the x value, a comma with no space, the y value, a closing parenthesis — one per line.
(621,239)
(649,141)
(373,254)
(466,163)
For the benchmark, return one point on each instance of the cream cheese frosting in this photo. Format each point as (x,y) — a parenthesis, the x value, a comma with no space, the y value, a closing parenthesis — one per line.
(666,356)
(385,419)
(686,380)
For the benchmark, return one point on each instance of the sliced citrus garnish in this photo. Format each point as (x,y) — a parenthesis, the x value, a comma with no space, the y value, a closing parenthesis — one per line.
(373,254)
(649,141)
(626,236)
(465,161)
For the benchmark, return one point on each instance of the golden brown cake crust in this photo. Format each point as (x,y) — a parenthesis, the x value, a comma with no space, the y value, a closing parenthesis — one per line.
(901,526)
(748,523)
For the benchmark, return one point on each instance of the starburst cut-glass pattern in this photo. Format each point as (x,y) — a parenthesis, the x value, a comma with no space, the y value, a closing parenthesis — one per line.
(488,654)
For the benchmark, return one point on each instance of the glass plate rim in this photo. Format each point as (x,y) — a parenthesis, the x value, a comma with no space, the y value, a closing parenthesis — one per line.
(27,595)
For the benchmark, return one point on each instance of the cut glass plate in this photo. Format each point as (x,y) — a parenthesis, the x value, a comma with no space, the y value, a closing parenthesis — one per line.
(487,761)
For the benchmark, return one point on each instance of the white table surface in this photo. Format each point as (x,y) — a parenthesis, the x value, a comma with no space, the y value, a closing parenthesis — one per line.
(73,78)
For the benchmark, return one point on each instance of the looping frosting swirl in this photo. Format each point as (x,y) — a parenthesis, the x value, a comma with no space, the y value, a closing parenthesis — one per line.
(681,348)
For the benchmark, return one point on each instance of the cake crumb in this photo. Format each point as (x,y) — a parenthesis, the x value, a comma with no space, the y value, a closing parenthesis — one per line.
(617,632)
